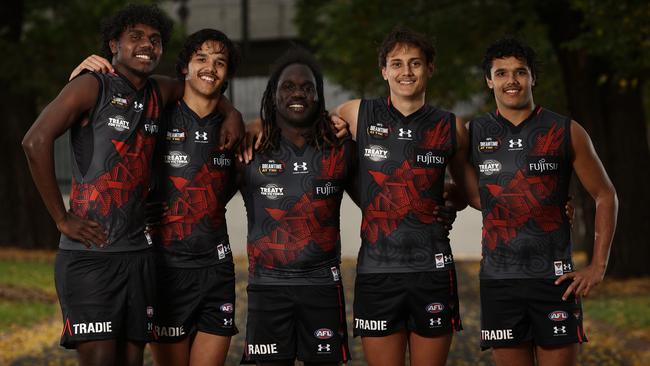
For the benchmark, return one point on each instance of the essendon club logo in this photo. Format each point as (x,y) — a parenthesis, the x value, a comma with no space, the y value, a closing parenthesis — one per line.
(558,316)
(435,307)
(324,333)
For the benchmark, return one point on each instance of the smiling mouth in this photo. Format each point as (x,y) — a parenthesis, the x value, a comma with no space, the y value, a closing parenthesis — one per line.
(207,78)
(296,107)
(144,57)
(511,91)
(406,82)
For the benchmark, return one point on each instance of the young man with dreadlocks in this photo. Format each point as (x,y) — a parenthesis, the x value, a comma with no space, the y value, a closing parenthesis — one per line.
(105,268)
(405,291)
(292,190)
(524,156)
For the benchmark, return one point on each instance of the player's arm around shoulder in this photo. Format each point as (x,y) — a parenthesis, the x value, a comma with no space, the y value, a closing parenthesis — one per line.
(345,118)
(171,89)
(591,173)
(76,99)
(461,170)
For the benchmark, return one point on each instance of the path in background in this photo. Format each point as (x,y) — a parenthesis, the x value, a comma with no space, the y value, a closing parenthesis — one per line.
(465,236)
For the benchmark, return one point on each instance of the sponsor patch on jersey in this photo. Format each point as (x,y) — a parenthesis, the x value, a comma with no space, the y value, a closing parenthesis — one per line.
(227,308)
(335,274)
(559,270)
(149,311)
(150,128)
(425,158)
(489,167)
(175,135)
(435,308)
(323,333)
(201,137)
(138,106)
(119,101)
(376,153)
(118,123)
(496,334)
(177,159)
(300,167)
(378,130)
(272,191)
(515,144)
(558,316)
(489,145)
(271,167)
(542,165)
(405,133)
(324,188)
(440,260)
(221,160)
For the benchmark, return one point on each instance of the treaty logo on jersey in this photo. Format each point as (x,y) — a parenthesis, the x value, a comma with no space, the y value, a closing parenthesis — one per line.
(272,191)
(376,153)
(489,167)
(177,159)
(119,123)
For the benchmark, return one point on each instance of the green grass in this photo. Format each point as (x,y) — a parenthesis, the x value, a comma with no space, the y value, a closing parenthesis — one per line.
(629,312)
(32,275)
(21,313)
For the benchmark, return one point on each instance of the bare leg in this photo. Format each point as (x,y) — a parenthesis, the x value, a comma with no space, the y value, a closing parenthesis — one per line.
(275,363)
(209,349)
(562,355)
(385,351)
(171,354)
(519,355)
(97,353)
(429,351)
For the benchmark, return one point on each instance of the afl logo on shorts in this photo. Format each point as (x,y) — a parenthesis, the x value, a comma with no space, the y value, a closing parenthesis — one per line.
(150,311)
(323,333)
(435,307)
(227,308)
(558,316)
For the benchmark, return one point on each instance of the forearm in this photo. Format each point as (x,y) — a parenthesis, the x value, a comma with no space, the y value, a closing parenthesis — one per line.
(605,226)
(40,157)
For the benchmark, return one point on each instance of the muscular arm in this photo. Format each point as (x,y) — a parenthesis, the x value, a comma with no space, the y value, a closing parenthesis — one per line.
(592,175)
(75,100)
(349,112)
(457,167)
(461,168)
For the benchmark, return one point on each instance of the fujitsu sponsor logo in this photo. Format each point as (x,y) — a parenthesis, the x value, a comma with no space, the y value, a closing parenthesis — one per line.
(489,167)
(272,191)
(558,316)
(326,188)
(222,161)
(118,123)
(151,128)
(429,158)
(542,166)
(177,159)
(376,153)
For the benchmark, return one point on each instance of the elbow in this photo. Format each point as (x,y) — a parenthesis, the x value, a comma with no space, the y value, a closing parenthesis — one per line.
(29,144)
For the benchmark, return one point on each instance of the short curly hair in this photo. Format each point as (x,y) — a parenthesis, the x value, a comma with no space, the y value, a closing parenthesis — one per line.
(113,27)
(510,47)
(193,43)
(403,35)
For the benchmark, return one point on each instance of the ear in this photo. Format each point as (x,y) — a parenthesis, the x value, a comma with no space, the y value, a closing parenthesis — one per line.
(489,82)
(534,80)
(184,71)
(113,45)
(384,74)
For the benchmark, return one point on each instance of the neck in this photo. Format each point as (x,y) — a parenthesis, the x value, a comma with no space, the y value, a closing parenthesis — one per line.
(292,133)
(200,104)
(516,116)
(407,105)
(138,80)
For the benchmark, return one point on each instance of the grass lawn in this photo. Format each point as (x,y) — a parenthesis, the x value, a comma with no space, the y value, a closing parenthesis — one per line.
(22,313)
(27,274)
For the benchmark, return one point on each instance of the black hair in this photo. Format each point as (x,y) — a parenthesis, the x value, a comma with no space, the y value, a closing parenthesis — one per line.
(510,47)
(402,35)
(322,132)
(113,27)
(193,43)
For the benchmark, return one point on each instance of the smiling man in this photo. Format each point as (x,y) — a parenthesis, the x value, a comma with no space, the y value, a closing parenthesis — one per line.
(292,190)
(524,156)
(105,270)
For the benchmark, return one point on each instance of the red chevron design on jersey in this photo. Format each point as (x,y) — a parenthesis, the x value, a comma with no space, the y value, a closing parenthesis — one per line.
(197,199)
(309,220)
(402,191)
(522,199)
(114,188)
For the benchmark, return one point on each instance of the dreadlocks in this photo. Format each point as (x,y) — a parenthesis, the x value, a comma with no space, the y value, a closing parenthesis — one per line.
(322,133)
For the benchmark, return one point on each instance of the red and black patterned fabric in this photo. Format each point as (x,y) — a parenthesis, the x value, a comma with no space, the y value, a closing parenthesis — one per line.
(524,174)
(402,163)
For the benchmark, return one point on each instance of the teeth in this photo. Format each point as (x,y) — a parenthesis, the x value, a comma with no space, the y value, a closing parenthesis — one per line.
(296,106)
(406,82)
(144,57)
(207,78)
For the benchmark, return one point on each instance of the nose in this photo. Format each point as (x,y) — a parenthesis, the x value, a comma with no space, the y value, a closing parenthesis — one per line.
(409,69)
(512,79)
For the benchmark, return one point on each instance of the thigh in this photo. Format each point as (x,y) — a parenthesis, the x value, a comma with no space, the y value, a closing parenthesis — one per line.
(515,355)
(270,327)
(388,350)
(216,314)
(92,292)
(321,328)
(379,304)
(504,318)
(555,321)
(209,349)
(171,354)
(140,316)
(433,303)
(558,355)
(429,351)
(178,296)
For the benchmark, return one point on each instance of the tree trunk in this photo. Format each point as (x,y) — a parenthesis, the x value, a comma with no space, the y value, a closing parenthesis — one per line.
(614,118)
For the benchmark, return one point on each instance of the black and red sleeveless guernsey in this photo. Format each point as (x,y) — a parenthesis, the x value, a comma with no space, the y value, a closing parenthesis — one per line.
(110,175)
(293,199)
(196,182)
(402,163)
(524,174)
